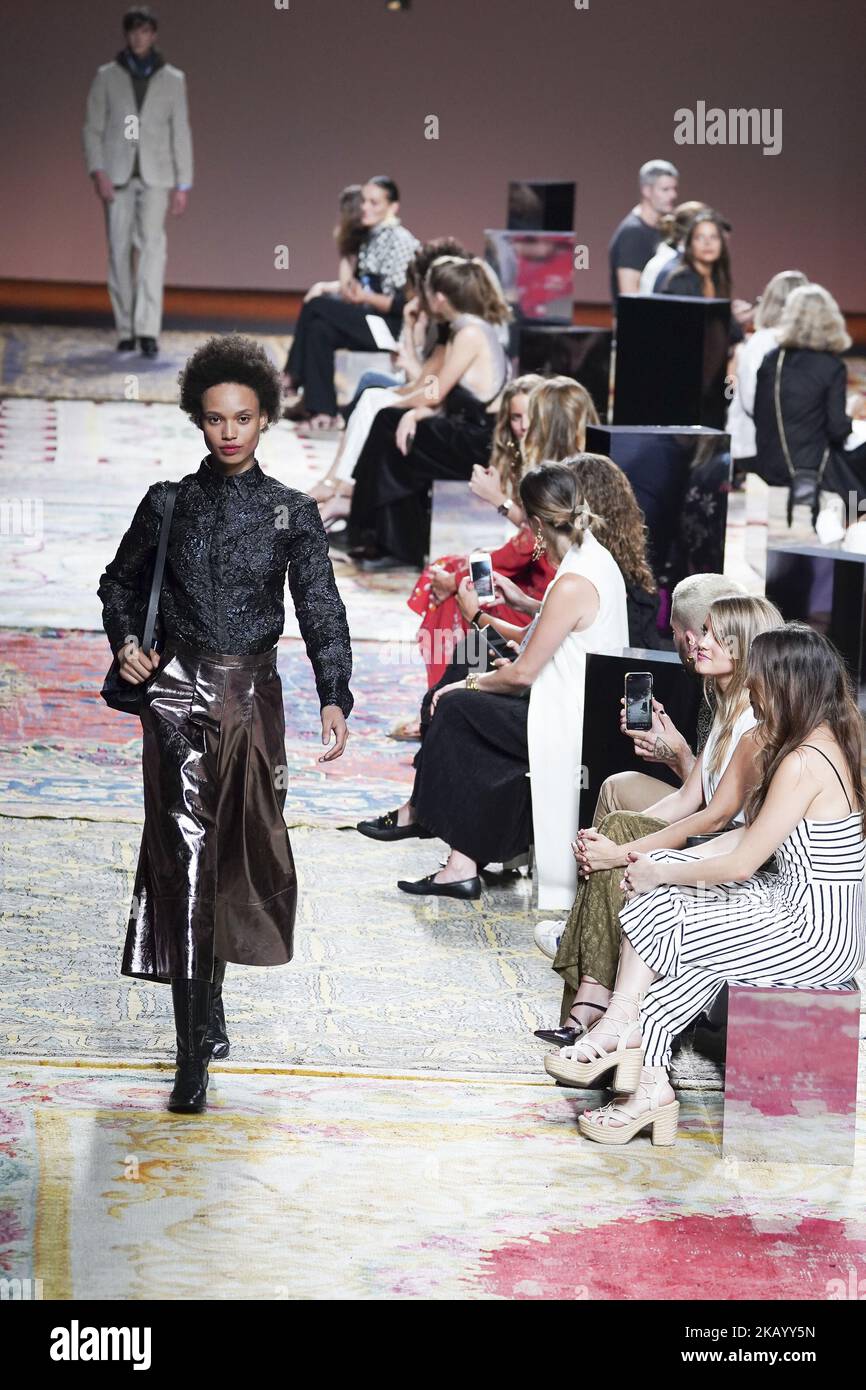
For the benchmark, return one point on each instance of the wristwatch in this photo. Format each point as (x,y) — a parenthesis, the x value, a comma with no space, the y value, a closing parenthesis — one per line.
(504,508)
(472,680)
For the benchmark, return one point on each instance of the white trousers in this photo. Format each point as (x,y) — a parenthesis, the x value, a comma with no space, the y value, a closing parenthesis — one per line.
(136,221)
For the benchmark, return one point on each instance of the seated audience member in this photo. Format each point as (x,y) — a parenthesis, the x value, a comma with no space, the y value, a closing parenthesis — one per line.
(540,421)
(608,494)
(327,323)
(349,236)
(711,797)
(483,736)
(672,230)
(441,430)
(637,237)
(422,352)
(705,268)
(801,421)
(740,422)
(699,919)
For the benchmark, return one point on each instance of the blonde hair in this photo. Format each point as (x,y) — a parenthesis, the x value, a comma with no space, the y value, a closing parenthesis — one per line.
(506,455)
(776,296)
(470,286)
(811,318)
(691,598)
(557,416)
(736,622)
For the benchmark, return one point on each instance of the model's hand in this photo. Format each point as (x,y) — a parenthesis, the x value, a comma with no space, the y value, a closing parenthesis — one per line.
(355,293)
(486,485)
(443,690)
(642,875)
(179,200)
(442,583)
(103,185)
(333,722)
(406,431)
(135,665)
(467,599)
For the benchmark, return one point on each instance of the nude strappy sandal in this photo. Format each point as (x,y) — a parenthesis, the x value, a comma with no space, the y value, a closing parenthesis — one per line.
(611,1124)
(628,1061)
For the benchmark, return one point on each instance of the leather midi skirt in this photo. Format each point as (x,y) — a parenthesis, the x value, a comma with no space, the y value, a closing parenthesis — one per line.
(215,876)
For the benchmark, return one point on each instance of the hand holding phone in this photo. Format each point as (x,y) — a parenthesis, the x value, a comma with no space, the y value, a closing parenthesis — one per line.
(481,572)
(638,701)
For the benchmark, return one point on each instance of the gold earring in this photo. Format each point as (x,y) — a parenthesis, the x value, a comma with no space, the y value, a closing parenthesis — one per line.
(538,547)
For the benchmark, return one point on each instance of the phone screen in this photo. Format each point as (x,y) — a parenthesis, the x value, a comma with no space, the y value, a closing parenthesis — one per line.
(481,570)
(639,700)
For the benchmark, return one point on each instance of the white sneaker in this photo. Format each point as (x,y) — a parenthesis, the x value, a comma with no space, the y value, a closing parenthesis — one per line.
(548,936)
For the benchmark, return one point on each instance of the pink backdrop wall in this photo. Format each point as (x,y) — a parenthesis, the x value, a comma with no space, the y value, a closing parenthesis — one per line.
(289,105)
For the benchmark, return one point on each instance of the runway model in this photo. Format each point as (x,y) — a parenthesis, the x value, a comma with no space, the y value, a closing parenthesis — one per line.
(216,878)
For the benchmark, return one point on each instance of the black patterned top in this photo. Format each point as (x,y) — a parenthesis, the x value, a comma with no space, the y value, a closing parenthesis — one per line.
(231,542)
(387,253)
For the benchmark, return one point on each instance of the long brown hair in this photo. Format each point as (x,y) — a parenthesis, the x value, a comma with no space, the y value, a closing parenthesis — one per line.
(619,523)
(559,411)
(797,681)
(470,286)
(506,455)
(721,271)
(350,231)
(736,622)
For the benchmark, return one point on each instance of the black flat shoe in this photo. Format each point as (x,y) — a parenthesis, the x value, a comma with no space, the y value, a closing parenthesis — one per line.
(386,828)
(382,562)
(126,345)
(560,1037)
(464,888)
(149,347)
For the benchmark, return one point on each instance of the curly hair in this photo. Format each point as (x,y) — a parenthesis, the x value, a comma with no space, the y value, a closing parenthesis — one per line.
(811,318)
(619,523)
(230,357)
(426,255)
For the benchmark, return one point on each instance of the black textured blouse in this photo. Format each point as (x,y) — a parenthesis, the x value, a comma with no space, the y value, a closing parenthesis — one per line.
(231,541)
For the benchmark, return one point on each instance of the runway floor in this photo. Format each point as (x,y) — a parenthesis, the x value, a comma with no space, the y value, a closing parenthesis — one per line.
(383,1127)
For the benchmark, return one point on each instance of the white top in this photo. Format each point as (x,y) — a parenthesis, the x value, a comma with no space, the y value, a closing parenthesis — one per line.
(740,424)
(555,723)
(654,266)
(710,782)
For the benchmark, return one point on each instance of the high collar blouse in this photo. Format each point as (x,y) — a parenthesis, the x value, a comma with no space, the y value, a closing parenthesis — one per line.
(232,541)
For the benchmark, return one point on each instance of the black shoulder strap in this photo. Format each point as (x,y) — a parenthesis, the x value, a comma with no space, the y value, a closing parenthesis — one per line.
(835,769)
(158,568)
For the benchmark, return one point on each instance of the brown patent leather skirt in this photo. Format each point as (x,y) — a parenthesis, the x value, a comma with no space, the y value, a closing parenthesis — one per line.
(215,873)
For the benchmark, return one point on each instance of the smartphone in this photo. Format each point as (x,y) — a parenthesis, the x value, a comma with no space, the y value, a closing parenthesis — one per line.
(481,574)
(638,700)
(497,645)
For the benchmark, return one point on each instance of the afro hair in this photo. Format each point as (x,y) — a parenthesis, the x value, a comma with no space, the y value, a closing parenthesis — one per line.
(230,357)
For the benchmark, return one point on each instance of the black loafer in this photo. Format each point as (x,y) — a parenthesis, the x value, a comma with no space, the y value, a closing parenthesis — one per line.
(386,828)
(126,345)
(464,888)
(149,347)
(560,1037)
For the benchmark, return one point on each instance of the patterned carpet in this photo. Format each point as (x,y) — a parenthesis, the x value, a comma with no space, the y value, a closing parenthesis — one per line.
(322,1187)
(63,752)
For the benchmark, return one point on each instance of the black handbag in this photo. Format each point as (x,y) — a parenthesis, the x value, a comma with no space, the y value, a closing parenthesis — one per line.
(118,693)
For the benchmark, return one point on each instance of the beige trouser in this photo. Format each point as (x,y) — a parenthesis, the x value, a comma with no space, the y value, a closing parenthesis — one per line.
(629,791)
(136,219)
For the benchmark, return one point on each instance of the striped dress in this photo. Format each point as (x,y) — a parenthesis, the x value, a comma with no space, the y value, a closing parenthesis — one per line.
(802,927)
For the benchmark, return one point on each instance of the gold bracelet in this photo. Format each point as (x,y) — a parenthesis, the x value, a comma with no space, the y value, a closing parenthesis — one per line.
(472,680)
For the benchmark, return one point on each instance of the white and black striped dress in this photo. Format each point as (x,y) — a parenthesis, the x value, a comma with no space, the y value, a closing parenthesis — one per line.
(802,927)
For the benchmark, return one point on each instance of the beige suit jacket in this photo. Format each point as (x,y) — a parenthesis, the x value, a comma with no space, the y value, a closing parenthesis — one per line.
(113,123)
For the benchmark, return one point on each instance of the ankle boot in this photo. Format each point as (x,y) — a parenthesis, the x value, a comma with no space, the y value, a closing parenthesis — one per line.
(192,1005)
(217,1037)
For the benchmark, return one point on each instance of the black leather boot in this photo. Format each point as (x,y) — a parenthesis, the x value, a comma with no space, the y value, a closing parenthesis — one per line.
(217,1037)
(192,1005)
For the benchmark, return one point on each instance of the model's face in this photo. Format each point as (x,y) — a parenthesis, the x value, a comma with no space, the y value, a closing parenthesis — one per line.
(662,195)
(518,416)
(712,657)
(375,205)
(231,424)
(141,39)
(706,243)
